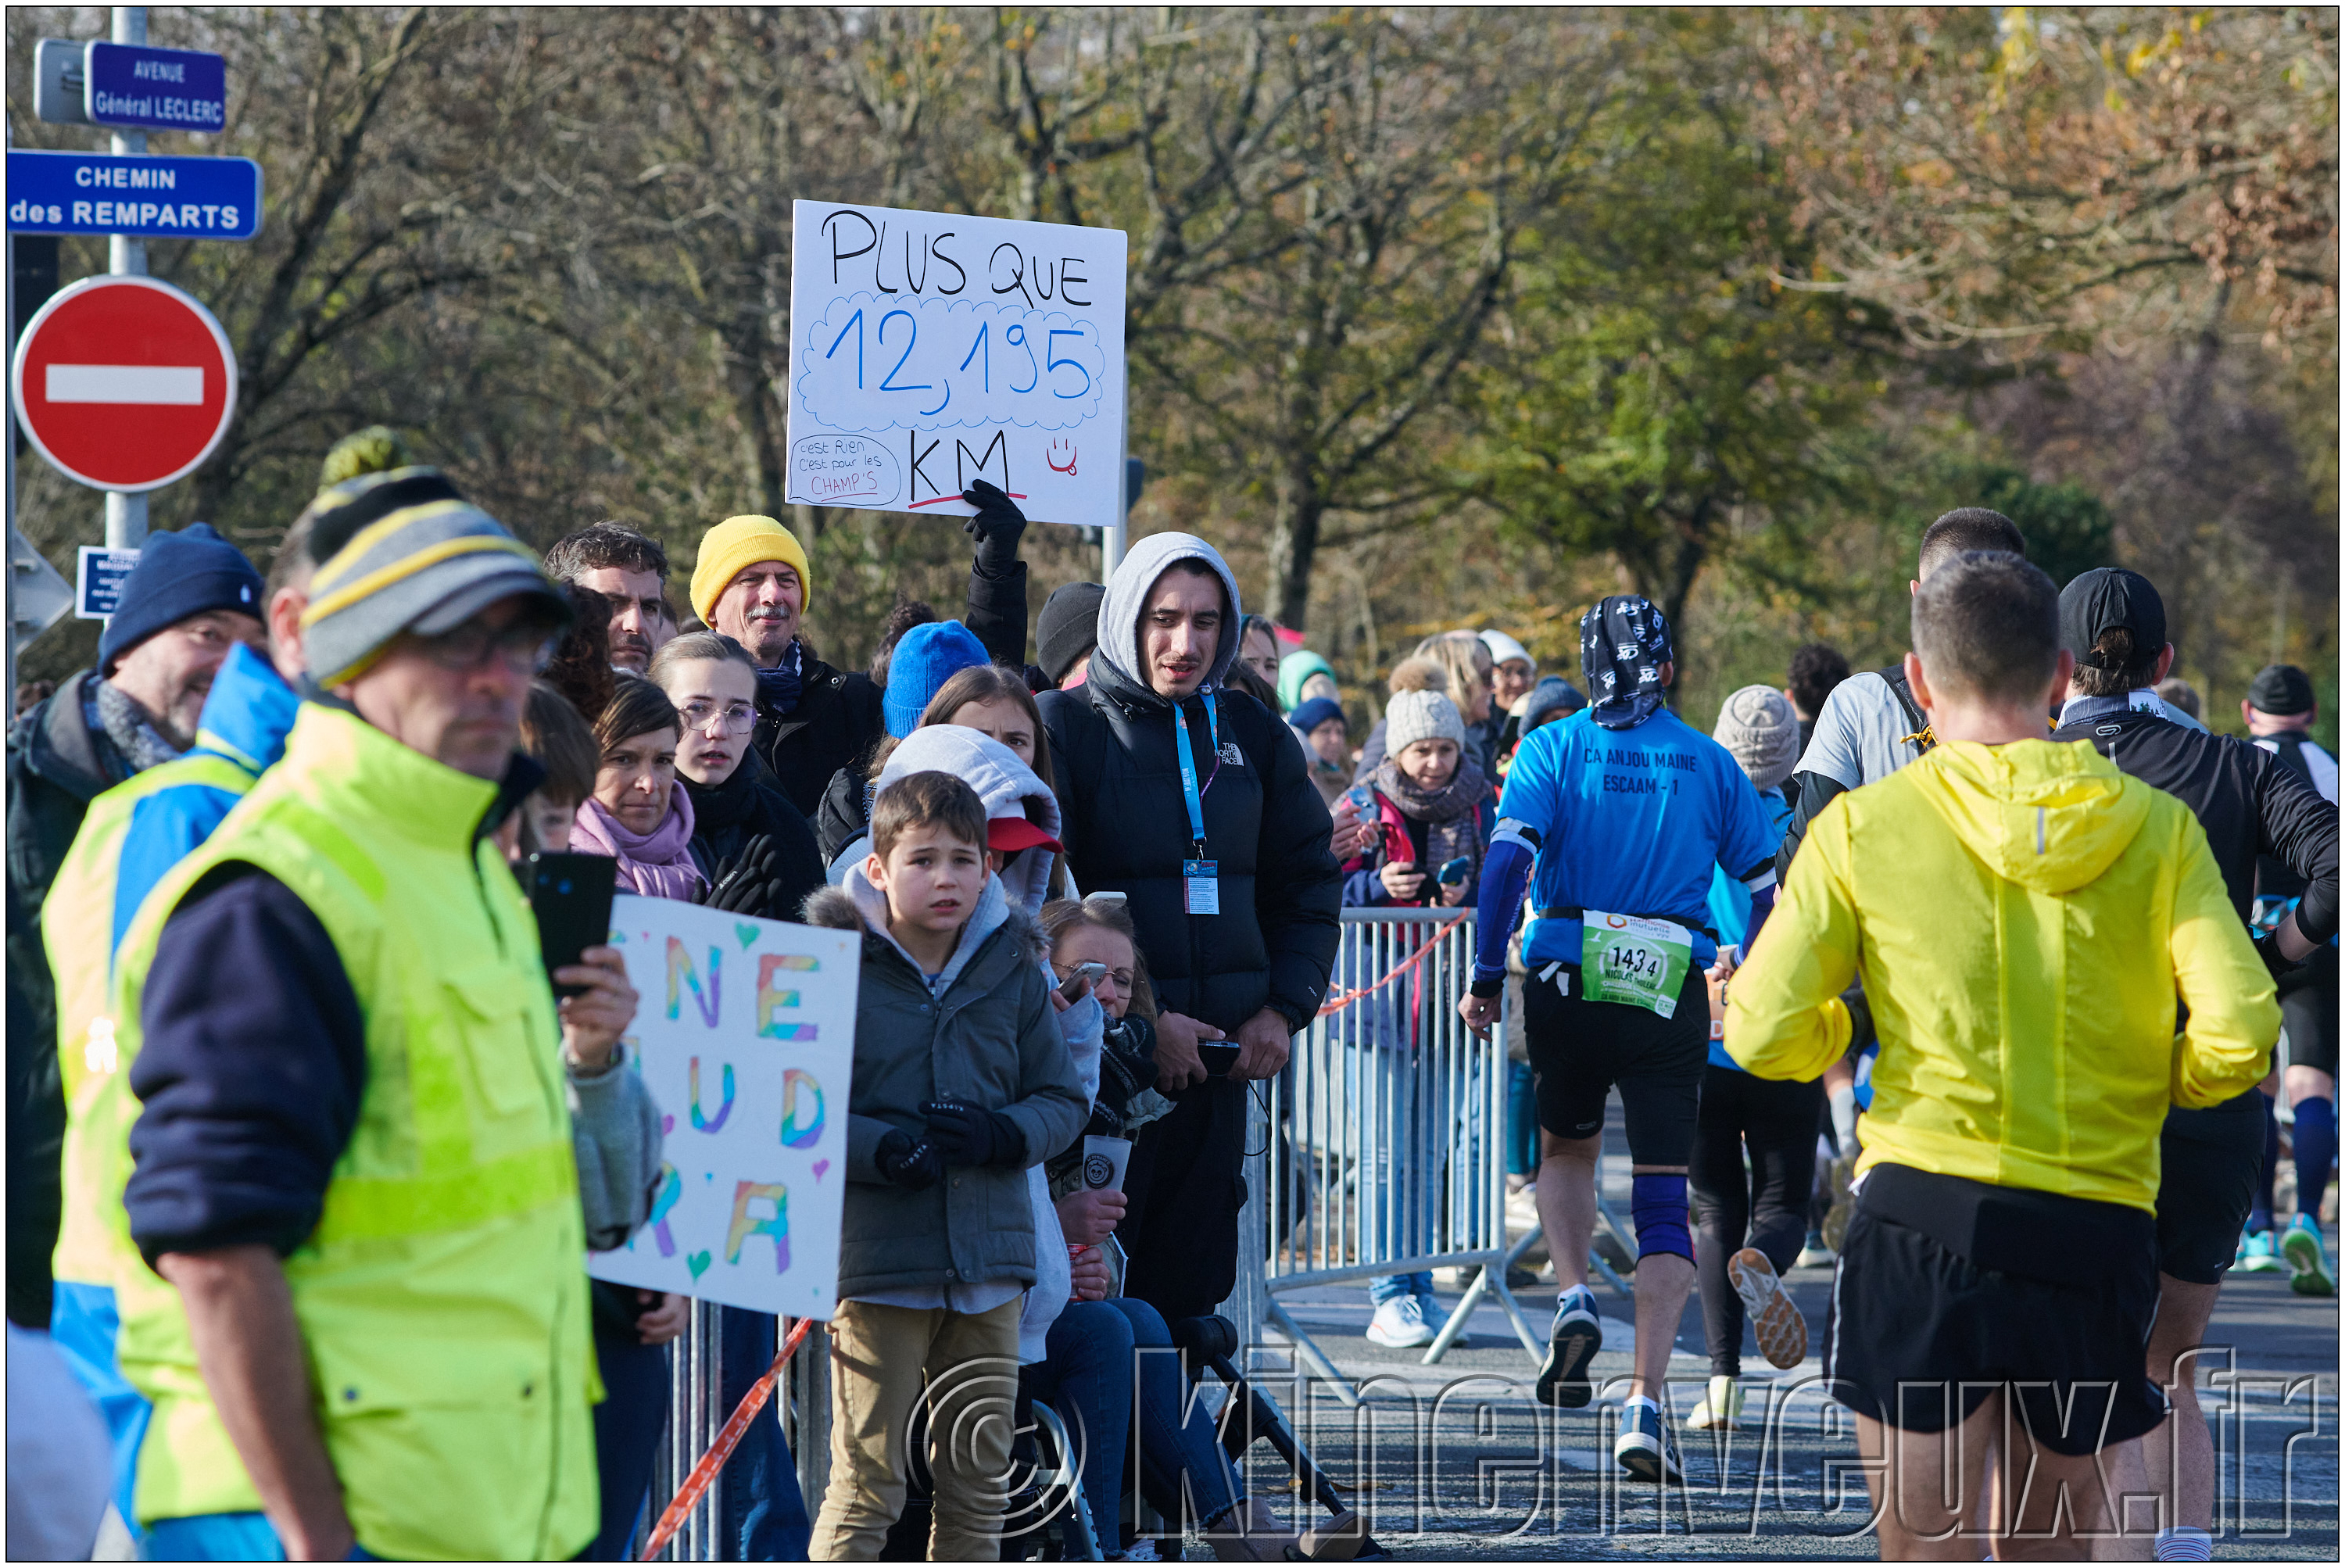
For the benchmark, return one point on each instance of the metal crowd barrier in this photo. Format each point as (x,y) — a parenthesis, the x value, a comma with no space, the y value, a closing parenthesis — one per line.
(1385,1147)
(697,1411)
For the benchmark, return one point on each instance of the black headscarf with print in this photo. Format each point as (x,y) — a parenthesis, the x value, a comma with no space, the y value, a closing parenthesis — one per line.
(1623,642)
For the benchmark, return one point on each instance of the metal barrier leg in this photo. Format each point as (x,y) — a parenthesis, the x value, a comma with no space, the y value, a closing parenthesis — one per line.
(1309,1348)
(1611,1222)
(1454,1328)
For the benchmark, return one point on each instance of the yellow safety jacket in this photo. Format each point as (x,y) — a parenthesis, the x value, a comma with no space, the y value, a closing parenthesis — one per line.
(77,930)
(442,1299)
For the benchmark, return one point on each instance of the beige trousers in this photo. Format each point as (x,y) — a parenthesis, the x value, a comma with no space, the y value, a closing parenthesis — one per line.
(885,1360)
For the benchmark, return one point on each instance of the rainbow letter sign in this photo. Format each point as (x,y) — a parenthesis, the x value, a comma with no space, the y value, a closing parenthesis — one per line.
(745,1036)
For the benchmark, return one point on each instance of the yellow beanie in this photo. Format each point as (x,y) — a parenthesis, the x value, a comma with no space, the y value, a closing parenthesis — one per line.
(737,543)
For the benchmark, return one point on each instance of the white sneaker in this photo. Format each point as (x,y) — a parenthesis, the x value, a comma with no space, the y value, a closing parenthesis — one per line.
(1400,1325)
(1721,1406)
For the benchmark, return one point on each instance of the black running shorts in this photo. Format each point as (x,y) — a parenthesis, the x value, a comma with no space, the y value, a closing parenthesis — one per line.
(2209,1162)
(1579,1049)
(1919,1336)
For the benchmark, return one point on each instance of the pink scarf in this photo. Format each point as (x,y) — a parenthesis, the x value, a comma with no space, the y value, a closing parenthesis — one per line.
(657,864)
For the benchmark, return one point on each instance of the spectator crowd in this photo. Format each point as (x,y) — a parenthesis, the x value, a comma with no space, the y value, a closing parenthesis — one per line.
(307,1147)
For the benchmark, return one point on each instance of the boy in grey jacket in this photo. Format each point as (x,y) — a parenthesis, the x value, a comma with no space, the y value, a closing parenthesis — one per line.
(962,1080)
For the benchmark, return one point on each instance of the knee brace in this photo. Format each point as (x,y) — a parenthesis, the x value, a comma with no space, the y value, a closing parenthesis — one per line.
(1657,1205)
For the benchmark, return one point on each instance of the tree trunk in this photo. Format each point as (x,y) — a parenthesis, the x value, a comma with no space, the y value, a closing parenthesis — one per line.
(1293,549)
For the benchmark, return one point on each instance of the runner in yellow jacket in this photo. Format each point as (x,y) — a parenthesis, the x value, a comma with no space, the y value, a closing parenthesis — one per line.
(2027,921)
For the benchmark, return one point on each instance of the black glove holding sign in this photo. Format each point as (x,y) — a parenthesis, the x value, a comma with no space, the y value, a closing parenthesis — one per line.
(966,1135)
(997,527)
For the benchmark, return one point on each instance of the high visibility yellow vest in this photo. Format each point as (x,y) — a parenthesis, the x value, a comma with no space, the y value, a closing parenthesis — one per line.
(442,1298)
(77,930)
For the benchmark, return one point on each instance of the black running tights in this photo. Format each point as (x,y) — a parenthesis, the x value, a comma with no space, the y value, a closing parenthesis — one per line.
(1765,1206)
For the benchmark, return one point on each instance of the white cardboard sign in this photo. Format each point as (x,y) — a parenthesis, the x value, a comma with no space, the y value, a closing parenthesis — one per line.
(745,1037)
(929,349)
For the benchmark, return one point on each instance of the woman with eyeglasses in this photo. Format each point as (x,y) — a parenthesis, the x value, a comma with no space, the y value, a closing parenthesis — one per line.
(754,848)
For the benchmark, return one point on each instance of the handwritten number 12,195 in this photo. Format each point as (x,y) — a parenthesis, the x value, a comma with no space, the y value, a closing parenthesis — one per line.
(981,353)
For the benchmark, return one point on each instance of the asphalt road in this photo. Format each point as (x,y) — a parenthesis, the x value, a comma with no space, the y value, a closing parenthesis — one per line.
(1457,1460)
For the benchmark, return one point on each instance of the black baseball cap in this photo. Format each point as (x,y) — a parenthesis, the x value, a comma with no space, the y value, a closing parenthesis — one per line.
(2281,690)
(2104,599)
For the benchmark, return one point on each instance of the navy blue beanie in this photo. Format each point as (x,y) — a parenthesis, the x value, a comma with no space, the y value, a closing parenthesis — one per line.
(1309,716)
(177,575)
(924,658)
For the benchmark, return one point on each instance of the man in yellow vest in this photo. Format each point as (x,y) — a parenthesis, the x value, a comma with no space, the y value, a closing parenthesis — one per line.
(349,1155)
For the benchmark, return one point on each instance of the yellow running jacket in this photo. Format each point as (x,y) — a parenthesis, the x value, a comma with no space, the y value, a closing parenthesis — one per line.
(2025,919)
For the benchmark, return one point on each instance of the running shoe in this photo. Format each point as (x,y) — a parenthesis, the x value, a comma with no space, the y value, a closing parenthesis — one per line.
(1645,1447)
(1843,1202)
(1400,1325)
(2259,1254)
(1782,1332)
(1578,1336)
(1813,1253)
(1718,1407)
(2300,1245)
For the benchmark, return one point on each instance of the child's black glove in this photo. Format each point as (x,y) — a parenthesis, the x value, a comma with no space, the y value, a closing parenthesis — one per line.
(911,1166)
(997,527)
(966,1135)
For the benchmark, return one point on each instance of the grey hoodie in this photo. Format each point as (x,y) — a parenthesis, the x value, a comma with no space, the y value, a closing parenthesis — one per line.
(1127,596)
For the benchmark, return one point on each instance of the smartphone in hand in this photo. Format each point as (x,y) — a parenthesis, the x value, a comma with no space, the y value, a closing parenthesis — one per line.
(571,896)
(1092,973)
(1454,872)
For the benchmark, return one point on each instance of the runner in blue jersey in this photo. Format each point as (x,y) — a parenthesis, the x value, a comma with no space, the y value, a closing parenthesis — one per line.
(1615,817)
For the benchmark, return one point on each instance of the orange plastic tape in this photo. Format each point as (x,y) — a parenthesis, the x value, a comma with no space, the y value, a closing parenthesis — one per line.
(703,1474)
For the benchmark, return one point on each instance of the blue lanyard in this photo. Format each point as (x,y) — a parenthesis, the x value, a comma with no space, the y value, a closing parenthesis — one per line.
(1189,789)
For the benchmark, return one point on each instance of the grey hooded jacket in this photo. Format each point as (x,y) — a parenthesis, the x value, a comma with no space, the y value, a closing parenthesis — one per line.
(987,1035)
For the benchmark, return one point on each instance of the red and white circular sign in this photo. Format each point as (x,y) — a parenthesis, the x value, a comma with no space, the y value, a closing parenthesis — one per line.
(123,383)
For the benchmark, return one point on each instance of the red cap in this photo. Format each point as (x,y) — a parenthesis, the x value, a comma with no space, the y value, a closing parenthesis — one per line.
(1011,834)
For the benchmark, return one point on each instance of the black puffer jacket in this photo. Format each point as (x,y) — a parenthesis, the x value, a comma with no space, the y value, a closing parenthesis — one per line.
(846,814)
(726,816)
(836,722)
(1126,830)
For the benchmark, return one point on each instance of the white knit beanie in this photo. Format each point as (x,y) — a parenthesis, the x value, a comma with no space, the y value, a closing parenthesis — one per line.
(1421,716)
(1758,725)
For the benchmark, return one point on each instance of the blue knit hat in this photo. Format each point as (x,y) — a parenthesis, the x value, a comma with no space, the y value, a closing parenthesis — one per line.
(925,658)
(1309,716)
(178,576)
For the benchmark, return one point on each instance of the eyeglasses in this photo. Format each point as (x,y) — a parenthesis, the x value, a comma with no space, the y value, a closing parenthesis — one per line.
(739,716)
(1123,977)
(524,647)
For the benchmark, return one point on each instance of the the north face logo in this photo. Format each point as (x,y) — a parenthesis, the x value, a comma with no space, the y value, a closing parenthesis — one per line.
(1229,754)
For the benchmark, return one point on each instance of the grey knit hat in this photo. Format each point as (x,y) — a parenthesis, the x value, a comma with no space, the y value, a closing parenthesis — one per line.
(404,551)
(1758,725)
(1421,716)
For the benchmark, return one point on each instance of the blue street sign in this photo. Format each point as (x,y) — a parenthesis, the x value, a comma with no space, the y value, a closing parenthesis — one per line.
(161,197)
(160,89)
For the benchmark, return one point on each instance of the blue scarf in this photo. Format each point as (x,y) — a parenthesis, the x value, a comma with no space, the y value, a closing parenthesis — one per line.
(1623,642)
(778,688)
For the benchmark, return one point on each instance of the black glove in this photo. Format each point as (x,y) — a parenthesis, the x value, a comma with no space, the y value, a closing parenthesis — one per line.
(966,1135)
(911,1166)
(997,527)
(749,881)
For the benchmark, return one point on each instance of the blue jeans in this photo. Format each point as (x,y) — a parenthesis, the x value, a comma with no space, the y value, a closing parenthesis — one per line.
(222,1538)
(1087,1376)
(627,1428)
(1386,1288)
(85,1327)
(765,1517)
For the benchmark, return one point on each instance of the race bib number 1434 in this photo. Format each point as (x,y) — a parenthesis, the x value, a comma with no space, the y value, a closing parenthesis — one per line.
(1639,963)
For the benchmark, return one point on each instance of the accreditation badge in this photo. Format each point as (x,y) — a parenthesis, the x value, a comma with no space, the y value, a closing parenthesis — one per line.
(1201,887)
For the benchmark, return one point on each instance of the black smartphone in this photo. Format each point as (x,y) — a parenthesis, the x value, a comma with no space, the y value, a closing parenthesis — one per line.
(1454,872)
(1218,1056)
(571,895)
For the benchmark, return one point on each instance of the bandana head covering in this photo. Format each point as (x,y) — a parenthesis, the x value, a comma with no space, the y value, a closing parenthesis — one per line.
(1623,642)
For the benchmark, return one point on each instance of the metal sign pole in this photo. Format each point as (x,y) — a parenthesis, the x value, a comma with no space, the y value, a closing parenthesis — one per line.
(126,514)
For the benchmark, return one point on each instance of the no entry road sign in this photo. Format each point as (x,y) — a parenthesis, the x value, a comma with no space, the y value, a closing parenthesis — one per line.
(123,383)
